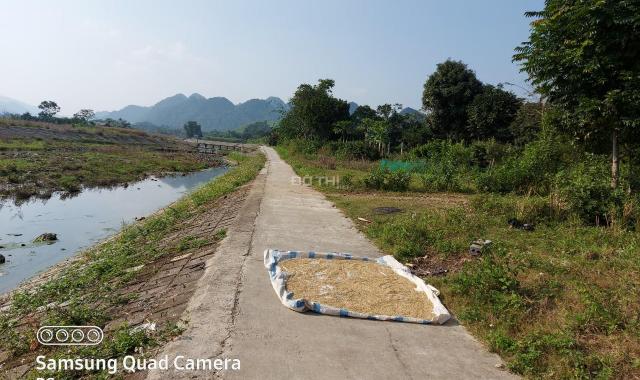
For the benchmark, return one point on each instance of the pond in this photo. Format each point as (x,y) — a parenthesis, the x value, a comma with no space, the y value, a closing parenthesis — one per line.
(80,221)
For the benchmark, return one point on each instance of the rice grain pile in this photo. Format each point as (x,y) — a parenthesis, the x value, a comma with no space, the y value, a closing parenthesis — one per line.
(356,285)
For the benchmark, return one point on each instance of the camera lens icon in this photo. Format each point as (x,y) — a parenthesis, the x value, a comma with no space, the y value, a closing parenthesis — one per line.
(77,335)
(45,336)
(70,335)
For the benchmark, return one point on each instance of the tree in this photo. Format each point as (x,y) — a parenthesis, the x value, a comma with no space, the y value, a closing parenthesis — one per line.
(255,130)
(446,96)
(343,129)
(120,123)
(491,112)
(413,131)
(193,129)
(84,115)
(526,125)
(314,112)
(585,57)
(363,112)
(48,109)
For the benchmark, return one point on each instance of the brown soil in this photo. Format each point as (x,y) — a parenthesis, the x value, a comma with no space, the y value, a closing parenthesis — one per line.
(436,265)
(360,286)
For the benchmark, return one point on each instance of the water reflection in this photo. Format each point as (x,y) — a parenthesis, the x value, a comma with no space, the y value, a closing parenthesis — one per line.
(80,221)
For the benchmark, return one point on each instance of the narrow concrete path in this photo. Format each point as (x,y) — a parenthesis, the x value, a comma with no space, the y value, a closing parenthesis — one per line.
(273,342)
(235,313)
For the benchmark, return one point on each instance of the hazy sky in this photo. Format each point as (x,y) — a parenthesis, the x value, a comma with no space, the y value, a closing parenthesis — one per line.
(107,54)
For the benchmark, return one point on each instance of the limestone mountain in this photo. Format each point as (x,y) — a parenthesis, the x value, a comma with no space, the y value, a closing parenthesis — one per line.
(216,113)
(9,105)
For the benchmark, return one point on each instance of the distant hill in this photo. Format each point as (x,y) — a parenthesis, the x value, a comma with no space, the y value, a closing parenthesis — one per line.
(411,111)
(353,106)
(213,113)
(405,111)
(8,105)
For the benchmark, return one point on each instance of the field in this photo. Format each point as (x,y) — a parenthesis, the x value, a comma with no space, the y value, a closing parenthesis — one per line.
(37,159)
(561,301)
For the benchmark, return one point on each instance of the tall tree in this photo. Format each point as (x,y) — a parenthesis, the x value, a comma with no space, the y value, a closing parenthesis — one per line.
(192,129)
(314,112)
(527,122)
(446,96)
(491,112)
(84,115)
(48,109)
(584,55)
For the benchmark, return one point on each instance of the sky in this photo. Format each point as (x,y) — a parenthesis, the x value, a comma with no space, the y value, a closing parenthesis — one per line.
(104,55)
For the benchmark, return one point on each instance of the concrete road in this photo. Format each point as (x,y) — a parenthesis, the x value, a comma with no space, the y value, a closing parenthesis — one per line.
(237,314)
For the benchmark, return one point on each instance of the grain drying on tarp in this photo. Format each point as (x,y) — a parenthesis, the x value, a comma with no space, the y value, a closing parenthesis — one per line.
(360,286)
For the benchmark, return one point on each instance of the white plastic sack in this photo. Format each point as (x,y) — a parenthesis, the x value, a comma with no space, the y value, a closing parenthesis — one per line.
(273,257)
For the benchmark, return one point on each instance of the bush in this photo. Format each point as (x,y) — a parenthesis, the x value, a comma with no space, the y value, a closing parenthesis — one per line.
(303,146)
(385,179)
(530,171)
(487,153)
(353,150)
(447,166)
(585,187)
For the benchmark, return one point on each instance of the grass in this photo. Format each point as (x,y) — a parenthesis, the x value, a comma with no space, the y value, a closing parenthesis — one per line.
(85,290)
(562,301)
(67,167)
(38,159)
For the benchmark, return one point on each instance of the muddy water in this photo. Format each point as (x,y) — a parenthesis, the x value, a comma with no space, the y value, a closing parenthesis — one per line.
(80,222)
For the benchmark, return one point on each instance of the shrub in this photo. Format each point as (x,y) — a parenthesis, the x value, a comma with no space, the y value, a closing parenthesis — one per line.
(586,189)
(447,166)
(353,150)
(531,170)
(385,179)
(486,153)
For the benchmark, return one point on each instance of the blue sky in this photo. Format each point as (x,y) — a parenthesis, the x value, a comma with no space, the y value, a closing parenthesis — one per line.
(107,54)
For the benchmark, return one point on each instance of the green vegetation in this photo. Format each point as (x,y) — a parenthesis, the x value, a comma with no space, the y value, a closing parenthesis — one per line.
(560,299)
(583,57)
(192,129)
(66,160)
(85,291)
(559,302)
(256,132)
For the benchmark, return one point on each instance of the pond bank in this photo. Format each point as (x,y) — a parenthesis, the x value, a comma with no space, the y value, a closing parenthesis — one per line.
(120,283)
(81,221)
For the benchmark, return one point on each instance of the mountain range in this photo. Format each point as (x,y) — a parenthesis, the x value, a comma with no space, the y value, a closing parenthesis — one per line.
(216,113)
(9,105)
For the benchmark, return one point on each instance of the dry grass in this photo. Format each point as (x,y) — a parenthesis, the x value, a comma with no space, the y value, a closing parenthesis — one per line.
(359,286)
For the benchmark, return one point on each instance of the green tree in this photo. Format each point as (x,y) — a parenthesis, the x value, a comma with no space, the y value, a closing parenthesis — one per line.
(491,112)
(446,96)
(255,130)
(48,109)
(193,129)
(526,125)
(84,115)
(584,55)
(314,112)
(344,129)
(363,112)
